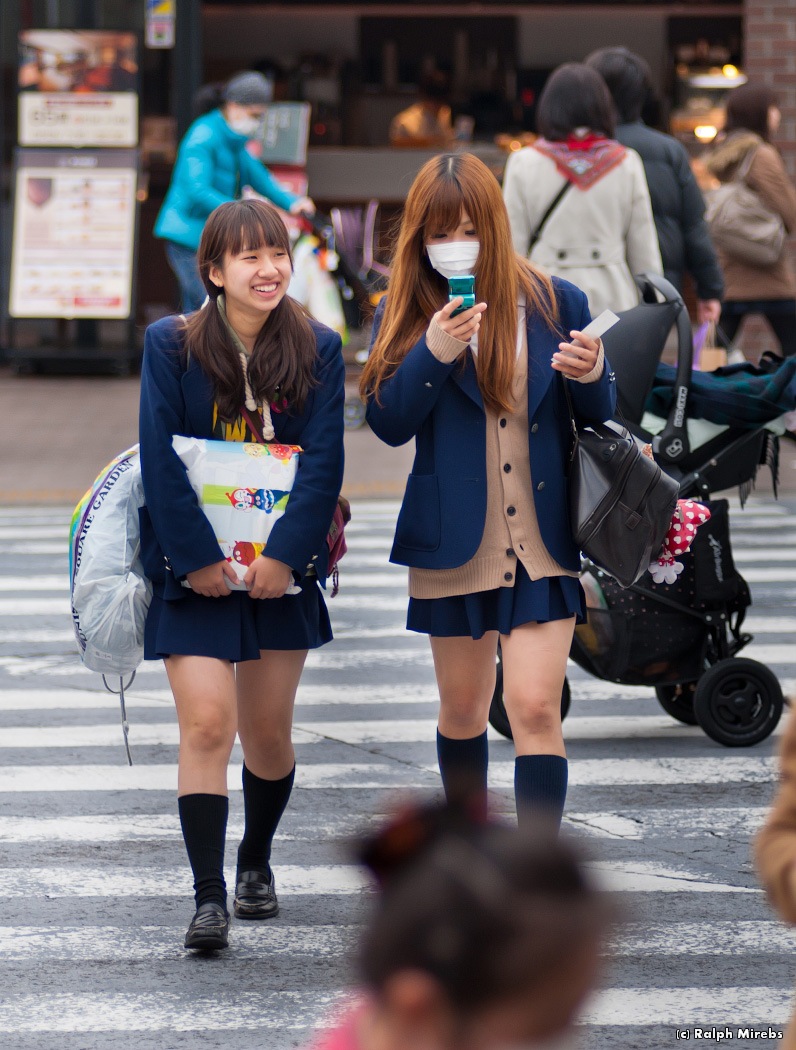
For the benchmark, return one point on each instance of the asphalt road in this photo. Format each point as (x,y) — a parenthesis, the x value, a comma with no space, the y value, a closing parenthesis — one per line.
(95,888)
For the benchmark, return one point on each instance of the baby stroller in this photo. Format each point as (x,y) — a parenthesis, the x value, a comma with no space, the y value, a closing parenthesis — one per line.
(361,279)
(682,638)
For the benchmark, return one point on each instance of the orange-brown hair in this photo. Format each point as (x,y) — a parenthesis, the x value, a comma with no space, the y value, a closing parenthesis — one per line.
(444,187)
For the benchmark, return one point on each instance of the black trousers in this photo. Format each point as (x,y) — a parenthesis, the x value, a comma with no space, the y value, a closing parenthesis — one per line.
(780,314)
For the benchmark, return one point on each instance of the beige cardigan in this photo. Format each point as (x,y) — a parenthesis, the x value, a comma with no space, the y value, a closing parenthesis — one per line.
(507,537)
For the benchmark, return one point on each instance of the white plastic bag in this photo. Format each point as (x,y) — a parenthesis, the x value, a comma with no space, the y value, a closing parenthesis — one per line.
(110,594)
(243,488)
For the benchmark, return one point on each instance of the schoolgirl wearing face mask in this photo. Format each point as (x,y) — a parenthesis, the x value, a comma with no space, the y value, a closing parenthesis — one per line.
(212,167)
(484,524)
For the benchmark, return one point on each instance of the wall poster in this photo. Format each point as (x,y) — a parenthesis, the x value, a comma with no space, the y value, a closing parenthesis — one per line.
(77,88)
(72,250)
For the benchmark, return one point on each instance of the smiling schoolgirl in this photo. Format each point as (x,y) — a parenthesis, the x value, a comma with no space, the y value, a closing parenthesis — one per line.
(234,659)
(484,524)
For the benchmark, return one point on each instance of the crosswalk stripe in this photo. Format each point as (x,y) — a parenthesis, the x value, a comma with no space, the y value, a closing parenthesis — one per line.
(618,876)
(375,731)
(138,944)
(703,938)
(586,772)
(631,824)
(310,694)
(679,1007)
(166,1012)
(684,1008)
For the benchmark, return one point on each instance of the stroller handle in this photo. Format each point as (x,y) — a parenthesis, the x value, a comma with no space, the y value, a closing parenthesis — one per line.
(671,445)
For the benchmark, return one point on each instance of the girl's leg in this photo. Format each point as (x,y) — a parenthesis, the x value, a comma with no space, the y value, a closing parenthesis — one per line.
(534,668)
(204,693)
(465,671)
(266,693)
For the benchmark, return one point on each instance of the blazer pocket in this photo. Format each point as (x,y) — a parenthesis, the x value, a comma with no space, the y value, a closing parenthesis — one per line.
(419,527)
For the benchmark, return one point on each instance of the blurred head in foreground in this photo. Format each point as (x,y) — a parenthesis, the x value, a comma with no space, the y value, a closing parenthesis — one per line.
(484,937)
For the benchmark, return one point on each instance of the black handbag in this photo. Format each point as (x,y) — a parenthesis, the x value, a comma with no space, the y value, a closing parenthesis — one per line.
(620,501)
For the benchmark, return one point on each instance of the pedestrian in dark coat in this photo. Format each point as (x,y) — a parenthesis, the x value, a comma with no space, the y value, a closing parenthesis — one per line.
(484,525)
(677,203)
(234,658)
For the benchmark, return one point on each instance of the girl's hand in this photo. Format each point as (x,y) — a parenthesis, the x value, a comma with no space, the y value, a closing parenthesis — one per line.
(268,578)
(578,358)
(211,581)
(462,327)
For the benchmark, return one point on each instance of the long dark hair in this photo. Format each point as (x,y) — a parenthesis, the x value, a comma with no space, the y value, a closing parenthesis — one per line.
(281,364)
(574,96)
(487,910)
(442,188)
(747,109)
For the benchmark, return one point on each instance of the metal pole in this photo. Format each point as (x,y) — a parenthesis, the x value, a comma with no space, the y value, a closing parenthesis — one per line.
(187,61)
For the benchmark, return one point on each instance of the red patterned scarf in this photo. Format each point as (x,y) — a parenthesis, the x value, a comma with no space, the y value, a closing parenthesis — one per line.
(583,161)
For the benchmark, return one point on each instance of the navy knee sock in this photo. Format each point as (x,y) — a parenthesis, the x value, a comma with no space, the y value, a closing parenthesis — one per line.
(463,765)
(264,802)
(540,786)
(204,828)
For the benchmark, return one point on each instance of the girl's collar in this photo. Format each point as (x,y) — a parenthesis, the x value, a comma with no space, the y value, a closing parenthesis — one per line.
(236,339)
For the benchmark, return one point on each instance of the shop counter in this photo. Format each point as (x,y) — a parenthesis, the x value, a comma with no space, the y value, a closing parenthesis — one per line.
(352,175)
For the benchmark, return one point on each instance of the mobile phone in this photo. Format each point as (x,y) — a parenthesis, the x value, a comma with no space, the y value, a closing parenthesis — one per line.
(463,286)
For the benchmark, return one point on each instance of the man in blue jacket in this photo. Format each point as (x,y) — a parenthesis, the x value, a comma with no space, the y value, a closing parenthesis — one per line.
(212,168)
(677,203)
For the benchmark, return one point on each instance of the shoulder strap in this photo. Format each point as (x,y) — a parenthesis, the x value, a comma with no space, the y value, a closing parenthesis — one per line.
(551,208)
(745,165)
(255,424)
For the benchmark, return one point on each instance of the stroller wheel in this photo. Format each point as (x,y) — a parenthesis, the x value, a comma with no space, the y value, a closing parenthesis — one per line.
(738,702)
(677,700)
(498,718)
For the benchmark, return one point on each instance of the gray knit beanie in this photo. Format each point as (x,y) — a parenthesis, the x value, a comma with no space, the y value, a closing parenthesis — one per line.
(248,89)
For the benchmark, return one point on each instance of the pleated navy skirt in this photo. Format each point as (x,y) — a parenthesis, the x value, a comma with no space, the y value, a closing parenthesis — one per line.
(501,609)
(236,627)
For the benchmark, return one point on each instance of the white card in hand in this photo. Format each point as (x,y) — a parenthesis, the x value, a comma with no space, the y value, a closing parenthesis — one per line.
(600,325)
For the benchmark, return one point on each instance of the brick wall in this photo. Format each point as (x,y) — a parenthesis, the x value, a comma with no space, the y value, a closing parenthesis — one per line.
(770,58)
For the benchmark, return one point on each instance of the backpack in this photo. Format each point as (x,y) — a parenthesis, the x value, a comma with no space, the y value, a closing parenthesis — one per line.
(110,593)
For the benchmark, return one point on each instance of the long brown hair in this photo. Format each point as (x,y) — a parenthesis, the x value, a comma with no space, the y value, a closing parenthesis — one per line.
(445,186)
(281,364)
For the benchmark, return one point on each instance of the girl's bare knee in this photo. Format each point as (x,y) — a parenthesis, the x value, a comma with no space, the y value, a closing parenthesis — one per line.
(534,716)
(210,736)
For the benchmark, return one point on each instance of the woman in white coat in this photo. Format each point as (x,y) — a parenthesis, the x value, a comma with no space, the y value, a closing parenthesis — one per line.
(600,231)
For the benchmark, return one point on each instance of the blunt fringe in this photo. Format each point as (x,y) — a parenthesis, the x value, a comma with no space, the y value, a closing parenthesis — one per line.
(281,364)
(444,187)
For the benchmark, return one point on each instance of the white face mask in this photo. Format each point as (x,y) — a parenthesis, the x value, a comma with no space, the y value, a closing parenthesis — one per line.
(245,125)
(454,258)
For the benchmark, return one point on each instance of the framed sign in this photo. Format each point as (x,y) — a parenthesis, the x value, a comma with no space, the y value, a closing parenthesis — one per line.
(285,133)
(77,88)
(72,249)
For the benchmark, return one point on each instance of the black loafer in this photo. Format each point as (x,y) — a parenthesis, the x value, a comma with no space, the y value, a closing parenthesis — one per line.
(255,895)
(209,928)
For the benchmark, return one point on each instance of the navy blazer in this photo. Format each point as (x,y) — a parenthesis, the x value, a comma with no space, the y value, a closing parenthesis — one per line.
(176,537)
(442,516)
